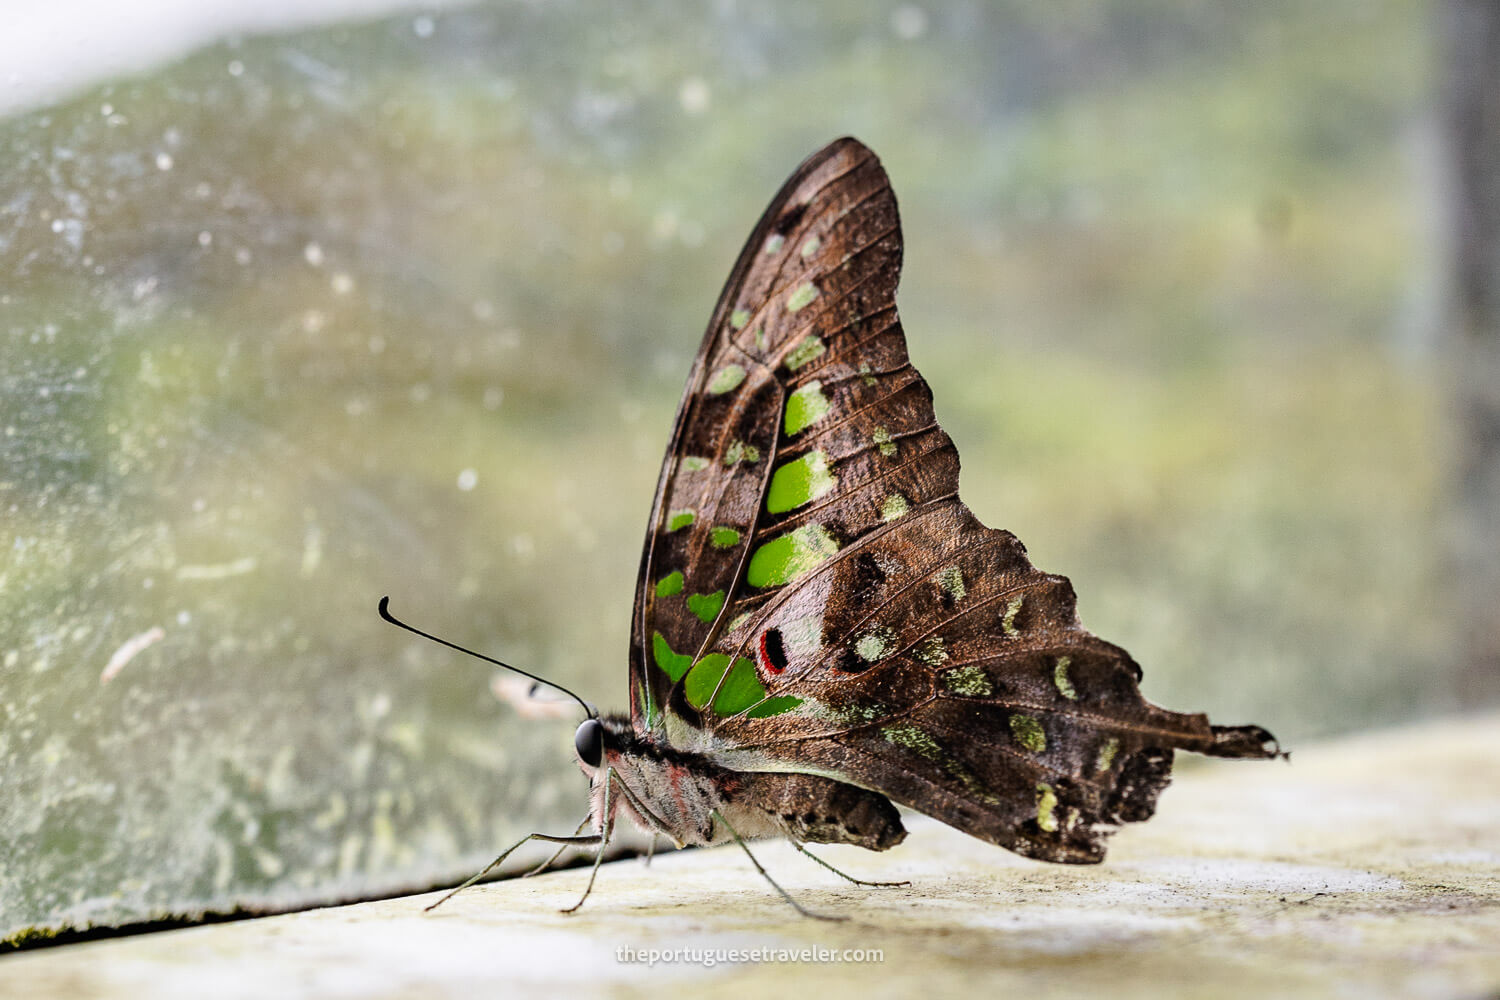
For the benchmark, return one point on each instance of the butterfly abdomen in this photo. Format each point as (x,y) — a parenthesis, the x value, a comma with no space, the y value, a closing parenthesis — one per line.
(812,809)
(682,790)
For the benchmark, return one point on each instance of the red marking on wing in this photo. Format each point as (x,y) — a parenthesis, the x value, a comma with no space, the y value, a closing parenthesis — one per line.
(770,653)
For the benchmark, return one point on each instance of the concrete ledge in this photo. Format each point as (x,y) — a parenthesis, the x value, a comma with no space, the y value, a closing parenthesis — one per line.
(1368,867)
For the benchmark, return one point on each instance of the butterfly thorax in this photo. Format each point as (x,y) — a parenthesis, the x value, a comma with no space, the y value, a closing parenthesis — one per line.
(676,794)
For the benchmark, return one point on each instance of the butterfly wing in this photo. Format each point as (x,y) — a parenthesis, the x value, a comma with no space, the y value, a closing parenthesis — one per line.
(778,454)
(813,595)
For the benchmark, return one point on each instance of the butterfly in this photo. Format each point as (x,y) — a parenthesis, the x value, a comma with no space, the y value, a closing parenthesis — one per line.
(821,627)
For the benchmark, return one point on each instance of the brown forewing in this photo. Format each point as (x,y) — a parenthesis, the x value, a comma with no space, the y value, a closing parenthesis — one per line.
(810,305)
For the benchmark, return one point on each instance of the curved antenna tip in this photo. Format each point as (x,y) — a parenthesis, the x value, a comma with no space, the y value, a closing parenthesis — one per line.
(386,614)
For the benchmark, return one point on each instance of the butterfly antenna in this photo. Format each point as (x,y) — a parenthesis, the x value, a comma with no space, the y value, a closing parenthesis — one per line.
(386,614)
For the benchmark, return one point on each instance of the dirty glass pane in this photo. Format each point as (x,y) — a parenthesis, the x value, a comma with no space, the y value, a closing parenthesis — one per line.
(405,307)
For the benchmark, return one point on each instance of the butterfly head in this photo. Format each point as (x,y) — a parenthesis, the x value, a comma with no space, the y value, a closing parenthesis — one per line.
(589,742)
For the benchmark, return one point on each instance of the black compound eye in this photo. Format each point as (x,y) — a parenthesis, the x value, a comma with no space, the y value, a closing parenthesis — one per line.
(589,742)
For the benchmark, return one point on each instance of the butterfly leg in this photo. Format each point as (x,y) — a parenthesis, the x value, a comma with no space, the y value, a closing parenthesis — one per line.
(559,852)
(612,780)
(611,777)
(843,875)
(573,841)
(717,815)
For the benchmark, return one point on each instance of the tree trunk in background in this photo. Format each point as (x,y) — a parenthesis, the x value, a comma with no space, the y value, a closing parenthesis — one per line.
(1471,76)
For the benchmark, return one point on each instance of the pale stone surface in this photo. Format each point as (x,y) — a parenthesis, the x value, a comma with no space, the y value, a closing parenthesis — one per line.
(1368,868)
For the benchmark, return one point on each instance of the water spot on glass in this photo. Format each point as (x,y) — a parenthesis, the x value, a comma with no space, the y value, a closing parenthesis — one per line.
(423,26)
(468,479)
(694,95)
(420,393)
(205,238)
(163,161)
(235,67)
(376,344)
(663,224)
(909,22)
(313,254)
(483,310)
(341,283)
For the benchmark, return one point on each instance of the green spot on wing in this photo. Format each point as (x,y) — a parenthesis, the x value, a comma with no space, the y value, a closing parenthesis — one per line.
(773,706)
(882,440)
(674,665)
(669,584)
(693,463)
(1046,807)
(1008,622)
(805,407)
(741,689)
(951,579)
(703,678)
(801,296)
(931,652)
(739,318)
(1028,732)
(739,451)
(919,741)
(679,519)
(893,507)
(1107,753)
(800,481)
(875,643)
(726,378)
(737,621)
(722,537)
(1060,678)
(783,559)
(706,606)
(971,681)
(904,734)
(811,247)
(807,348)
(774,243)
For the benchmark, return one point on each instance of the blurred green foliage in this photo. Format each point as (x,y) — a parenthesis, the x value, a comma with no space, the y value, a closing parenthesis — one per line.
(406,308)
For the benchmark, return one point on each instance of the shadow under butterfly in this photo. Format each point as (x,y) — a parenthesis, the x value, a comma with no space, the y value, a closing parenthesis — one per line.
(821,627)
